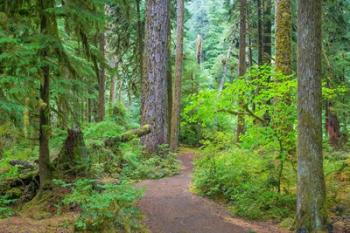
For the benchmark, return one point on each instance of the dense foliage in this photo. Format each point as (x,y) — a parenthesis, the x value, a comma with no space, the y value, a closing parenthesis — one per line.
(73,75)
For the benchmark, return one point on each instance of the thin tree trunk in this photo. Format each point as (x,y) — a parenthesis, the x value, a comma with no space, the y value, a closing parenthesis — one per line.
(242,59)
(311,195)
(26,117)
(175,123)
(154,101)
(170,80)
(120,90)
(112,91)
(225,62)
(267,28)
(46,23)
(250,50)
(89,110)
(139,36)
(112,94)
(101,80)
(260,33)
(199,49)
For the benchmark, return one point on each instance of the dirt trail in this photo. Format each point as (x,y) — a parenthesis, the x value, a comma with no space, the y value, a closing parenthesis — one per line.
(170,207)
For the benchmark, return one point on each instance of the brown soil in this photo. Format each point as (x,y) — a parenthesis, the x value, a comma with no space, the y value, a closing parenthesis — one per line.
(56,224)
(170,207)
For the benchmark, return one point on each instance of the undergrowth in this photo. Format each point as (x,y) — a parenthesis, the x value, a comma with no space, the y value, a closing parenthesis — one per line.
(246,180)
(104,206)
(243,179)
(101,206)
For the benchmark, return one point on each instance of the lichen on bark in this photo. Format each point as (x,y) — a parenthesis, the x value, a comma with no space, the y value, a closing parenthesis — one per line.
(283,36)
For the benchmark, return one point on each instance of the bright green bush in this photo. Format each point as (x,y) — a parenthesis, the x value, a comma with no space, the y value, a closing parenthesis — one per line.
(246,180)
(97,132)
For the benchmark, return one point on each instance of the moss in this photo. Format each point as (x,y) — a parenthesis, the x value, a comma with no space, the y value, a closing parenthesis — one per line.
(283,36)
(14,192)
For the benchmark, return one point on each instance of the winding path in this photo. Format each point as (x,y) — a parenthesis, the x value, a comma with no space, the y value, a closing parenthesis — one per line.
(170,207)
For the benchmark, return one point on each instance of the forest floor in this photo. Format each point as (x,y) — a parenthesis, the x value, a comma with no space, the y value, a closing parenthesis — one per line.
(170,207)
(56,224)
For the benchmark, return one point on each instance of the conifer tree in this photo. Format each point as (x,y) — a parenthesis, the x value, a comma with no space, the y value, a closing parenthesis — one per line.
(175,123)
(154,99)
(311,195)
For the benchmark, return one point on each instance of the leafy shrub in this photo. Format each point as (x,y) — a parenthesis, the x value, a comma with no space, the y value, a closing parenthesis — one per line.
(245,180)
(97,132)
(155,166)
(5,209)
(105,206)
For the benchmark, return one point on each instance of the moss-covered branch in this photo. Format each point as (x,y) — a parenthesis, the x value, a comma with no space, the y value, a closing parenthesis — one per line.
(128,136)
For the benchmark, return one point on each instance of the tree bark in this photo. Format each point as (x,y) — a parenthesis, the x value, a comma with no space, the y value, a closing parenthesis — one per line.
(311,195)
(225,62)
(175,123)
(154,101)
(267,31)
(101,80)
(47,23)
(242,60)
(284,36)
(260,33)
(199,49)
(73,157)
(170,79)
(139,35)
(112,91)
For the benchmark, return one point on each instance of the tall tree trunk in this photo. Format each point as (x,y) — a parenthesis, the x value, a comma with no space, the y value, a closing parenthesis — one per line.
(267,31)
(101,80)
(47,24)
(242,59)
(311,194)
(260,33)
(140,31)
(112,91)
(225,62)
(199,49)
(175,123)
(170,80)
(284,36)
(154,99)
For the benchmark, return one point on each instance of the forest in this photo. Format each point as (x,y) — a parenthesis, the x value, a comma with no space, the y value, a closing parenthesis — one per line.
(174,116)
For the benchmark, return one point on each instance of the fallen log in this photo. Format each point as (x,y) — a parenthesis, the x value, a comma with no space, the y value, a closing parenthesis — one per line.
(128,136)
(21,181)
(21,163)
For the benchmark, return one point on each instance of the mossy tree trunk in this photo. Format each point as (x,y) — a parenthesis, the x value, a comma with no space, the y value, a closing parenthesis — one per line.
(73,157)
(101,80)
(260,33)
(267,31)
(311,195)
(284,65)
(140,35)
(175,119)
(154,98)
(48,28)
(170,79)
(284,36)
(242,59)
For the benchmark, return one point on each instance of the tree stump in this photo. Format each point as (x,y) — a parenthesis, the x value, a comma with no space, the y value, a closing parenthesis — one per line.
(73,158)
